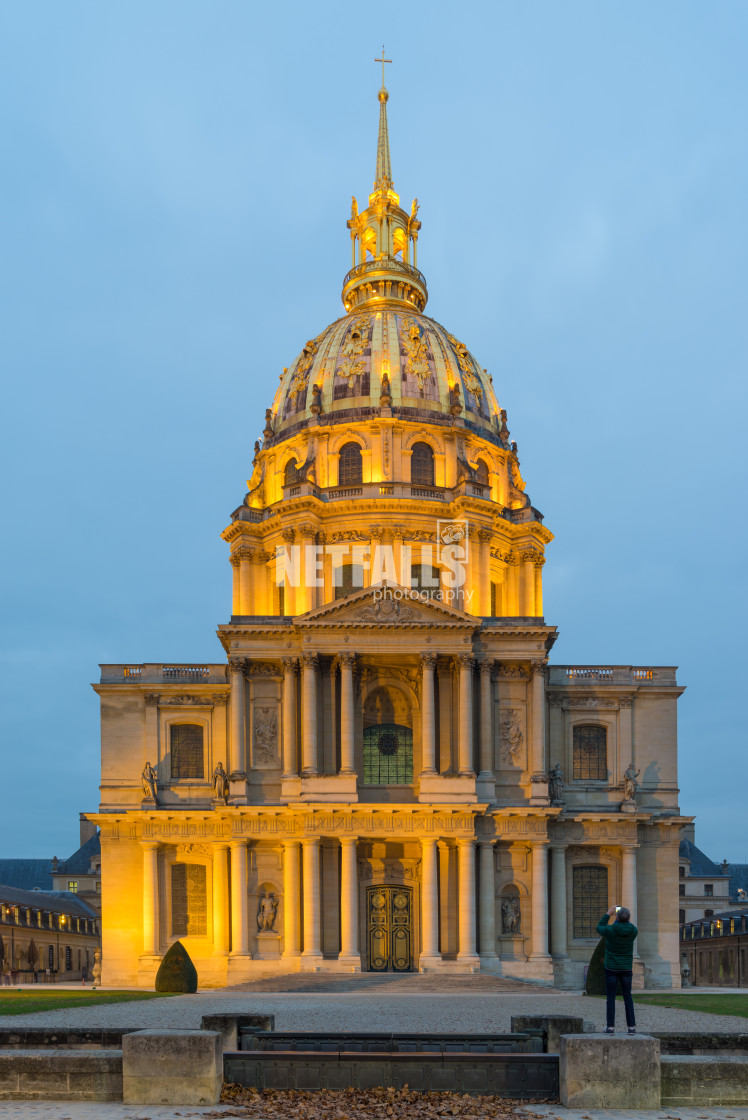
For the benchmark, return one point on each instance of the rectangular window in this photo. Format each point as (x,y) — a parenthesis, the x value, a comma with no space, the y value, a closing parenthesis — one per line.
(590,897)
(189,909)
(186,751)
(709,889)
(51,956)
(682,872)
(73,886)
(590,753)
(682,889)
(68,958)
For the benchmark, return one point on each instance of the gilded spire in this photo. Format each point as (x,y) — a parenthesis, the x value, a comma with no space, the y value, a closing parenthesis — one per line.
(383,177)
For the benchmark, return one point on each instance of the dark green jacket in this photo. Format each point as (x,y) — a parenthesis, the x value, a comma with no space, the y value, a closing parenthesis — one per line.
(619,940)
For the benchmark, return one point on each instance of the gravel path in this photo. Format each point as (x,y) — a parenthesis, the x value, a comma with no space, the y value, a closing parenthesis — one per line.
(374,1010)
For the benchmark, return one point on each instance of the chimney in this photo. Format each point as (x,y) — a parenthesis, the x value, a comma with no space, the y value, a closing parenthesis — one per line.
(88,829)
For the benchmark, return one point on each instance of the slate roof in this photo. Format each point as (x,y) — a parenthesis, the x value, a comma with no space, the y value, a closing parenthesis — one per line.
(738,879)
(701,865)
(27,874)
(62,902)
(79,862)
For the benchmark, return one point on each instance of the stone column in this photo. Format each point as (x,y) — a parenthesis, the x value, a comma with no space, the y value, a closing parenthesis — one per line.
(558,900)
(291,898)
(237,765)
(466,716)
(291,593)
(484,536)
(309,764)
(539,562)
(151,936)
(349,952)
(246,555)
(290,764)
(220,899)
(527,607)
(539,768)
(486,722)
(429,904)
(310,849)
(239,900)
(466,846)
(487,901)
(628,884)
(539,901)
(236,602)
(346,661)
(428,724)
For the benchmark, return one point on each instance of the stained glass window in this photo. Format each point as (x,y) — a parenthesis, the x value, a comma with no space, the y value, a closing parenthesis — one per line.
(422,465)
(388,755)
(350,470)
(590,753)
(189,910)
(186,750)
(590,890)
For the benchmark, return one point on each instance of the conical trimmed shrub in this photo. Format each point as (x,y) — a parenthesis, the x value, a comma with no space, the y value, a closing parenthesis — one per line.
(176,973)
(595,985)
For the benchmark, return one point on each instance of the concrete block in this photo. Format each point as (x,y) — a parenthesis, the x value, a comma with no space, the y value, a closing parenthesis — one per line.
(232,1027)
(172,1067)
(609,1071)
(553,1026)
(694,1081)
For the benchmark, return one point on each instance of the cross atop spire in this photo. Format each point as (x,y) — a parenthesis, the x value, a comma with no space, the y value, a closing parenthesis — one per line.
(383,177)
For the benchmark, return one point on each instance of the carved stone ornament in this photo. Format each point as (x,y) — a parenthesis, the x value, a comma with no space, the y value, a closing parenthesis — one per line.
(511,737)
(236,664)
(151,699)
(290,664)
(200,701)
(389,868)
(385,610)
(428,660)
(187,851)
(345,535)
(513,672)
(347,659)
(266,734)
(262,669)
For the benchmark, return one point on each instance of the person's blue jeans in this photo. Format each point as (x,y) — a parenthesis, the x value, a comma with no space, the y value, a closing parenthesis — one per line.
(612,977)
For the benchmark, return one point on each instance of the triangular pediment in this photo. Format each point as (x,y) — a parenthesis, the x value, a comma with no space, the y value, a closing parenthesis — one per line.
(387,604)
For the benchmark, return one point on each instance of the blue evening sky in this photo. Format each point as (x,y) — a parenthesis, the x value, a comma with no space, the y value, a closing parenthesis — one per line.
(176,177)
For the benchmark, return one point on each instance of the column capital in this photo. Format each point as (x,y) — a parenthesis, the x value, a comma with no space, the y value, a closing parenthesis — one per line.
(348,841)
(237,664)
(236,844)
(486,666)
(309,660)
(429,840)
(290,843)
(150,845)
(243,553)
(539,666)
(220,846)
(290,664)
(537,845)
(464,841)
(465,661)
(485,842)
(428,660)
(558,845)
(346,659)
(311,841)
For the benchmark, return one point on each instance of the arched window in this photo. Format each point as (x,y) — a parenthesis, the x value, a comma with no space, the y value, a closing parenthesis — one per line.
(481,472)
(290,473)
(425,578)
(388,738)
(350,470)
(590,753)
(422,465)
(348,578)
(189,900)
(186,751)
(590,898)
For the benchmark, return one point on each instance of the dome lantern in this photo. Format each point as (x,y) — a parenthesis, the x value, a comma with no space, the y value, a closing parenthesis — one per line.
(384,237)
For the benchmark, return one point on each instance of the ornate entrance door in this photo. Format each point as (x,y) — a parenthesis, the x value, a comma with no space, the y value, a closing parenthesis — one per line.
(389,928)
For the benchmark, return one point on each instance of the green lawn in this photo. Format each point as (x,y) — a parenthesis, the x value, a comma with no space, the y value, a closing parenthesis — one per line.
(25,1001)
(710,1004)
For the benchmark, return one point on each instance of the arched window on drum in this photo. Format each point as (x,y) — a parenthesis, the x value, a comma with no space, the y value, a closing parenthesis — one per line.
(291,473)
(422,465)
(388,738)
(350,468)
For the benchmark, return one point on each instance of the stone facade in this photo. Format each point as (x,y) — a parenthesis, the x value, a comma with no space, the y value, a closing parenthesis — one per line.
(385,772)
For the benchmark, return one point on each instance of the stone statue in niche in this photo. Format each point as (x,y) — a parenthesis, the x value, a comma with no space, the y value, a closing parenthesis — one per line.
(148,781)
(96,973)
(556,785)
(266,734)
(510,737)
(221,783)
(511,915)
(629,782)
(267,912)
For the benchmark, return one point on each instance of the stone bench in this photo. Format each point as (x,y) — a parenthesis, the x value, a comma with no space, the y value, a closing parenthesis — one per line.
(63,1075)
(700,1080)
(609,1071)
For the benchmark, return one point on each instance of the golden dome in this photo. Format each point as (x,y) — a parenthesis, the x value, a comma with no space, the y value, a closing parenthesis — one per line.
(390,361)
